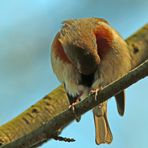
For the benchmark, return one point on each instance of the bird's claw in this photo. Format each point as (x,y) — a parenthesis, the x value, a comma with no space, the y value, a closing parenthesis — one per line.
(95,91)
(72,107)
(100,106)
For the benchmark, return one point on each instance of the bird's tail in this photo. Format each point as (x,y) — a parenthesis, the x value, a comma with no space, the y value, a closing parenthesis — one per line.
(103,132)
(120,101)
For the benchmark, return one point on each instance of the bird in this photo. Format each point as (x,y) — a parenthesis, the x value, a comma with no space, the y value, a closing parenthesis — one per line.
(88,54)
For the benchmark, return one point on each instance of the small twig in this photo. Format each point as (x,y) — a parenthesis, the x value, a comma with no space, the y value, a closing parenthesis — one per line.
(65,139)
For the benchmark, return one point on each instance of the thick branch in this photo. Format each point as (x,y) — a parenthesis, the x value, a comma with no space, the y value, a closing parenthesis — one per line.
(41,121)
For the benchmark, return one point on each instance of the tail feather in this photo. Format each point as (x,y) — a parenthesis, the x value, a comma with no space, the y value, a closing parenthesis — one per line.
(120,101)
(103,132)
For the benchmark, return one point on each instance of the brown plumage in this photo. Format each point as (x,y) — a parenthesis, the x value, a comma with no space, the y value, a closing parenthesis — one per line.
(88,54)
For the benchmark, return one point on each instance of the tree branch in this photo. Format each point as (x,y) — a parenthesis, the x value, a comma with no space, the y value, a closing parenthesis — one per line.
(41,121)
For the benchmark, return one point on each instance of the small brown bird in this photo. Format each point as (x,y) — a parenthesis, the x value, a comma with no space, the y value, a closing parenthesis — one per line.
(88,54)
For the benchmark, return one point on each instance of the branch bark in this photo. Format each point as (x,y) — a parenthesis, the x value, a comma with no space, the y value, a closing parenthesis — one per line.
(41,121)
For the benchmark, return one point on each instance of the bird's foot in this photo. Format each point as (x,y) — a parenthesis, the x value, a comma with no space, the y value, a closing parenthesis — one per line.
(72,107)
(95,91)
(100,106)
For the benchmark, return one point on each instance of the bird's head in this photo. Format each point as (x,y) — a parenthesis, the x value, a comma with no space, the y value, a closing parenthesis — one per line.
(84,43)
(80,47)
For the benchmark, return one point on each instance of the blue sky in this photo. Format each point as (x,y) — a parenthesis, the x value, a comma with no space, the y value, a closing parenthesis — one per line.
(27,28)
